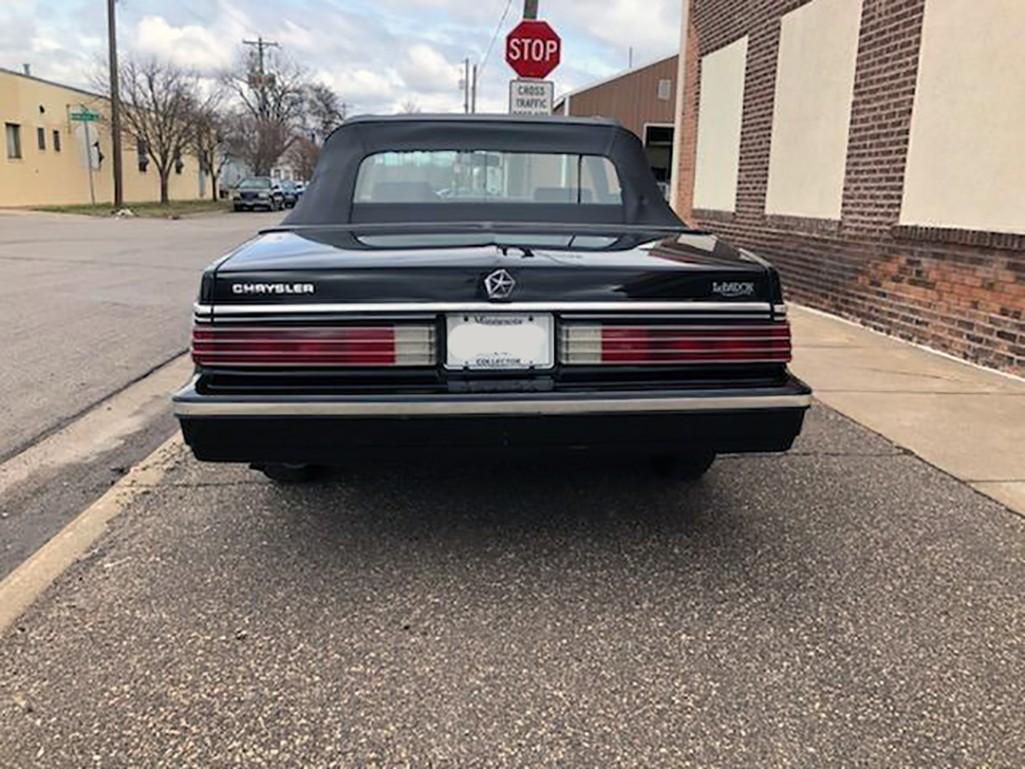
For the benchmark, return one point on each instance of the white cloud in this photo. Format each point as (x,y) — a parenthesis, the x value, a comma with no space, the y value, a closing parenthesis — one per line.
(424,69)
(362,86)
(652,28)
(376,53)
(190,46)
(297,37)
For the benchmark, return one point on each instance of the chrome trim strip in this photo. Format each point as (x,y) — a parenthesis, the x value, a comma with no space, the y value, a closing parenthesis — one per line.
(449,406)
(439,307)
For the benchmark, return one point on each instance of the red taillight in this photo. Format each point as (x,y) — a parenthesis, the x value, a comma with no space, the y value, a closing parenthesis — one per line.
(591,344)
(306,347)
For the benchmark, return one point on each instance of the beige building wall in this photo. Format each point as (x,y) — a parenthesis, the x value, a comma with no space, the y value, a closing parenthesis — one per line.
(818,52)
(966,161)
(720,113)
(48,177)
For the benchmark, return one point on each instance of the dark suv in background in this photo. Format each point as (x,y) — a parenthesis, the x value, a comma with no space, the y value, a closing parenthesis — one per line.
(258,192)
(290,191)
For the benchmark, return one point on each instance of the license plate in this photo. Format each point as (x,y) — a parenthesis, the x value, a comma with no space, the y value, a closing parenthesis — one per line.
(500,341)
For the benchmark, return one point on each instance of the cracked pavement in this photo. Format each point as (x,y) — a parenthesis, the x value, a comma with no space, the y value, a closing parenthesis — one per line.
(843,605)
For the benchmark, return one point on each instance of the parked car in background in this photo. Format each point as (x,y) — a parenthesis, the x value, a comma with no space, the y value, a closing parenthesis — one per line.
(290,192)
(258,192)
(300,187)
(487,282)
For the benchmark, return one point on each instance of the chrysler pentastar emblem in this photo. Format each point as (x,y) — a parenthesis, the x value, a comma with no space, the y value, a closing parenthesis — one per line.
(499,284)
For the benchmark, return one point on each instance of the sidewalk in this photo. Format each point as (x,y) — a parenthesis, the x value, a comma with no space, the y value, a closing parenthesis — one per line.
(967,421)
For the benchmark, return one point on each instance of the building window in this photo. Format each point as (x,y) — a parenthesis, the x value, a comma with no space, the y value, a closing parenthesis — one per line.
(665,90)
(966,157)
(720,115)
(13,132)
(816,62)
(143,152)
(41,138)
(56,140)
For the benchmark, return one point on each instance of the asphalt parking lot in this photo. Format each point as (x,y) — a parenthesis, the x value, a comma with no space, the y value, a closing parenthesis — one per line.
(88,307)
(845,605)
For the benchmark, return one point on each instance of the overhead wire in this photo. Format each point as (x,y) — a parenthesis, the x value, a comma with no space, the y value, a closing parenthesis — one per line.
(494,37)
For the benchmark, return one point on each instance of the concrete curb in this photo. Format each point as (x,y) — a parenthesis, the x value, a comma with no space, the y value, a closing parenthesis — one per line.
(25,584)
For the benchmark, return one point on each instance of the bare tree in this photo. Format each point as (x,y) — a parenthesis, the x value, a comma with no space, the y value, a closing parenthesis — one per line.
(159,100)
(303,156)
(409,107)
(324,112)
(271,97)
(209,140)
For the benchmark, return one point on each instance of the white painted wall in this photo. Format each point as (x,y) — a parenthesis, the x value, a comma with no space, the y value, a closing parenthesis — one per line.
(720,114)
(818,54)
(966,160)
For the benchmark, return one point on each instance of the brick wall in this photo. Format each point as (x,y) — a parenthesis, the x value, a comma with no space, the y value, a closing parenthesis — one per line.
(958,291)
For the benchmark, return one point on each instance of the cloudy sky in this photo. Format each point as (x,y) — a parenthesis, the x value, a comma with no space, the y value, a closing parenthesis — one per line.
(376,53)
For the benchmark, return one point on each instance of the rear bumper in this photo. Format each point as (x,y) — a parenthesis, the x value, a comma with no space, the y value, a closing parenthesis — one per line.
(326,430)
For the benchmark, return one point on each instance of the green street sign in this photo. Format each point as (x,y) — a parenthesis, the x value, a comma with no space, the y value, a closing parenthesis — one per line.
(85,116)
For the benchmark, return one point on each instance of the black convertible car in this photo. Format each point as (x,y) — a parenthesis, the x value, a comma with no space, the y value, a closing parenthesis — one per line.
(487,282)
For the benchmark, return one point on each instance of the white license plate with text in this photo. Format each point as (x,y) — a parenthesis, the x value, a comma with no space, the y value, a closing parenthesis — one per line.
(500,341)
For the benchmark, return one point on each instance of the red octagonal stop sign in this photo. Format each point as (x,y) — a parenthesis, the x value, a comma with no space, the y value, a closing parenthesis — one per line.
(533,49)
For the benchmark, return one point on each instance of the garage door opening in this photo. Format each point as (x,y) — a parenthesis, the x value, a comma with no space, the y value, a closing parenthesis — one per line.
(658,143)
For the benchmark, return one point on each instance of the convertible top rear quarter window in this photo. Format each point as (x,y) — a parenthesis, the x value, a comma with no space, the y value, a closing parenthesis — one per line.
(480,176)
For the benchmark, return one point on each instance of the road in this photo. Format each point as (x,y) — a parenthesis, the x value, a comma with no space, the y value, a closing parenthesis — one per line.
(843,605)
(87,306)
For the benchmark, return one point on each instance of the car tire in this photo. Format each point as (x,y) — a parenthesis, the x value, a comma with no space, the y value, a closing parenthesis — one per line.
(689,466)
(289,474)
(237,208)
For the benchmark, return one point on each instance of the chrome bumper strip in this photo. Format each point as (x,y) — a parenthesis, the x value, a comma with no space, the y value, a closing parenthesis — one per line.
(228,310)
(198,406)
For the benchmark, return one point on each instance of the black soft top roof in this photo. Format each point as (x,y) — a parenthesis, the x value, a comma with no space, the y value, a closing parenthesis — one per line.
(328,200)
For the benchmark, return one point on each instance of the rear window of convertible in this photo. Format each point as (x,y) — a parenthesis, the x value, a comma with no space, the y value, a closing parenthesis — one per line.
(480,176)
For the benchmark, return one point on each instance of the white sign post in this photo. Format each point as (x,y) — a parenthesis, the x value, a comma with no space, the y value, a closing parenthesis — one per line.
(531,97)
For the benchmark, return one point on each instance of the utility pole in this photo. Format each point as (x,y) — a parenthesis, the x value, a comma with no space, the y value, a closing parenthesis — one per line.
(115,105)
(261,45)
(466,86)
(530,9)
(89,157)
(473,91)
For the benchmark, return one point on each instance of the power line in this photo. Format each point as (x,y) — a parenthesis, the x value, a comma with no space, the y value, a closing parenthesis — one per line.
(494,37)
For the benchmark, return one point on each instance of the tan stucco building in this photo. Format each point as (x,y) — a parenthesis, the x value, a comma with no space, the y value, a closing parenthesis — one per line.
(47,157)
